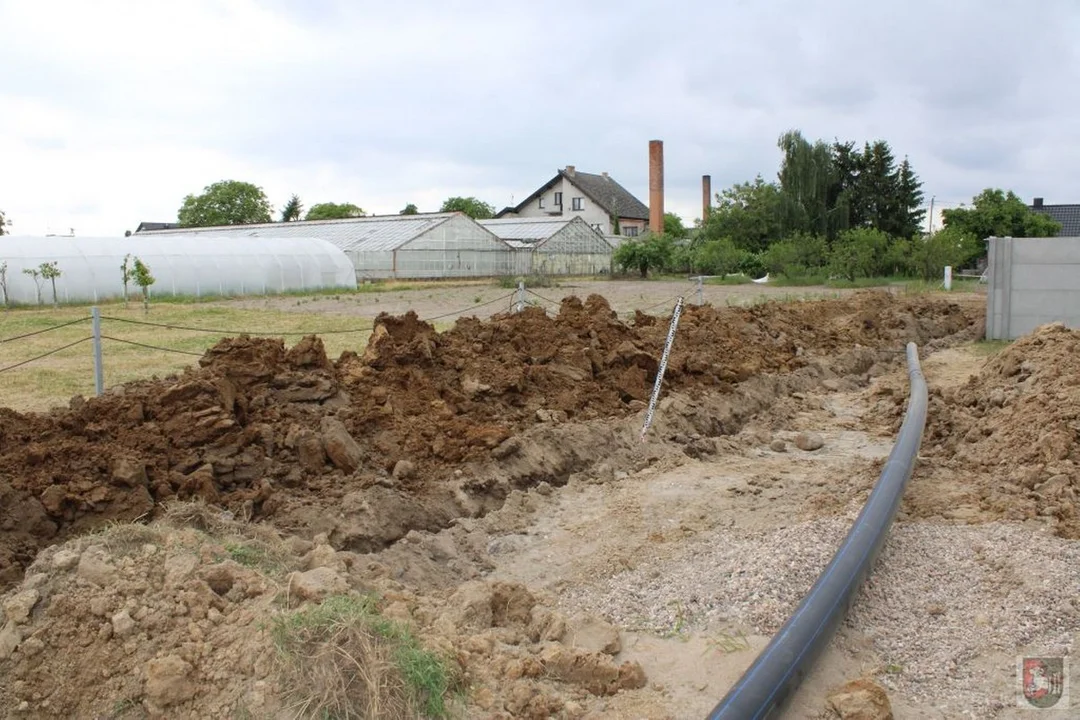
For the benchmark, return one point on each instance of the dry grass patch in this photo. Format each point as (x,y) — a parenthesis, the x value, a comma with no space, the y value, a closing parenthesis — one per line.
(342,660)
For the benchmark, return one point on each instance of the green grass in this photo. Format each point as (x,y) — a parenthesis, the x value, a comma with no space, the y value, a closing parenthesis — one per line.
(907,283)
(330,648)
(52,380)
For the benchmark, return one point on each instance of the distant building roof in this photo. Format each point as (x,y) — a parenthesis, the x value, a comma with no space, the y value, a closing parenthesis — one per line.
(363,234)
(144,226)
(529,230)
(612,197)
(1067,215)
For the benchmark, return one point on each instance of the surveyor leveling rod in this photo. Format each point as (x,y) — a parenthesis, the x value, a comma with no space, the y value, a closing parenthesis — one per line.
(663,366)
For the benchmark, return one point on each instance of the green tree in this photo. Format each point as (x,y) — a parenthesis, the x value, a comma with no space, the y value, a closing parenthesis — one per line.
(51,271)
(995,213)
(144,279)
(333,211)
(229,202)
(749,214)
(858,252)
(948,246)
(719,257)
(807,174)
(3,282)
(127,274)
(292,210)
(908,217)
(474,208)
(800,255)
(650,252)
(410,209)
(673,226)
(4,223)
(35,273)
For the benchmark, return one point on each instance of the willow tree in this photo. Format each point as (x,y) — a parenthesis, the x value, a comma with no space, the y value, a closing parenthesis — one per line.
(807,176)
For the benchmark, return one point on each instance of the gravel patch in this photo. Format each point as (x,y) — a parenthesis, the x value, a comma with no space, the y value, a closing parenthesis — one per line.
(941,597)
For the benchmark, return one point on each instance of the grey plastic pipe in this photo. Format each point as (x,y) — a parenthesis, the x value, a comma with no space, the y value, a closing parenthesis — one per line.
(769,683)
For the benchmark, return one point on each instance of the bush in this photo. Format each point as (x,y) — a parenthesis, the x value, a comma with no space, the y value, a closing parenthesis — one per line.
(929,256)
(797,256)
(652,252)
(719,257)
(858,253)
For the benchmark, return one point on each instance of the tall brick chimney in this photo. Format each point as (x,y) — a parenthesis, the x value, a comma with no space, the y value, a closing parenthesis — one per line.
(706,196)
(656,186)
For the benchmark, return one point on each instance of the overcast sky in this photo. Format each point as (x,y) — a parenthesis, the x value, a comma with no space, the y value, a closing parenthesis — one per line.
(112,111)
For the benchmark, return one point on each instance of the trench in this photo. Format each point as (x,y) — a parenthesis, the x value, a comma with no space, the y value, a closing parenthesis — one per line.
(771,680)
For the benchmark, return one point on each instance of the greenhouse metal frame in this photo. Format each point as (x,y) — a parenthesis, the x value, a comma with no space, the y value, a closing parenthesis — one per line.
(421,246)
(554,246)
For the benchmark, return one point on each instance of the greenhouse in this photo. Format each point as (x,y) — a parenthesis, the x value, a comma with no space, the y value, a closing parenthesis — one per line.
(435,245)
(181,264)
(553,246)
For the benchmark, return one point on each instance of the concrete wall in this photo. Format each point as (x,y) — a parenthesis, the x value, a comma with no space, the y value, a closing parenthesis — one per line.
(1032,281)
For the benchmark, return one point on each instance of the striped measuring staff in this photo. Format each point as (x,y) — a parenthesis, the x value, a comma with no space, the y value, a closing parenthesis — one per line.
(663,366)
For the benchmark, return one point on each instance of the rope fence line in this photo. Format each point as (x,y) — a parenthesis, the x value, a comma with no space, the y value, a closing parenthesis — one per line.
(45,330)
(46,354)
(212,331)
(98,336)
(549,300)
(459,312)
(151,347)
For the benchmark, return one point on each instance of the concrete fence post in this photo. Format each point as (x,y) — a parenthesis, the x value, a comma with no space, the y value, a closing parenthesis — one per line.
(521,295)
(99,372)
(948,277)
(700,290)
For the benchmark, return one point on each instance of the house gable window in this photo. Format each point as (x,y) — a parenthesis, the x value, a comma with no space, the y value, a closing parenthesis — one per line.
(578,203)
(541,200)
(558,199)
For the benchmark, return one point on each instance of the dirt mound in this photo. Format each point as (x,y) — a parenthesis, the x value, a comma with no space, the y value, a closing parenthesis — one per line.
(375,440)
(1015,423)
(198,615)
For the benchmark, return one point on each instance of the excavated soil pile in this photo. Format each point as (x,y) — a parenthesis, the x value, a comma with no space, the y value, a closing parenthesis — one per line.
(183,618)
(258,427)
(1011,431)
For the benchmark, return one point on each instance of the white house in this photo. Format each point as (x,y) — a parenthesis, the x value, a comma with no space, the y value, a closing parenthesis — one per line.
(597,199)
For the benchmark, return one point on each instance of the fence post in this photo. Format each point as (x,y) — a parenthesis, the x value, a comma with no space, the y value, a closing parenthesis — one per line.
(521,296)
(700,290)
(948,277)
(663,366)
(99,374)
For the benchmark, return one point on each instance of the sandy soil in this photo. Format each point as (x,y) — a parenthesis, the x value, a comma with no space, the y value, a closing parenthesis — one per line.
(489,483)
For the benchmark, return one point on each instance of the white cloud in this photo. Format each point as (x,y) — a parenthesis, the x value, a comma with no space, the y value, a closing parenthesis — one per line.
(112,111)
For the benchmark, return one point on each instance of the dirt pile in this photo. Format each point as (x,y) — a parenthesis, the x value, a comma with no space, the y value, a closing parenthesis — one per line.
(379,437)
(1015,427)
(185,618)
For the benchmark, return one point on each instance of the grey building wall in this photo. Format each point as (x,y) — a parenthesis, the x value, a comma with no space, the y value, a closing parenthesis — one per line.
(1031,282)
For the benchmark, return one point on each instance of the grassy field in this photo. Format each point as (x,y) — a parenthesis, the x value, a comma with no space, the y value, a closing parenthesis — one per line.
(55,379)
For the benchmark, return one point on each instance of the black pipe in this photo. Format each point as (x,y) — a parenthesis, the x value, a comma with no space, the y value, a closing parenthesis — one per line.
(770,682)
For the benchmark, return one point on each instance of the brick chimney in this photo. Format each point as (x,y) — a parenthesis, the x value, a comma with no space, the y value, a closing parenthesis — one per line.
(706,196)
(656,186)
(570,170)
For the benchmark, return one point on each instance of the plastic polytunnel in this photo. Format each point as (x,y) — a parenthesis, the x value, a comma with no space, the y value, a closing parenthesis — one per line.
(190,265)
